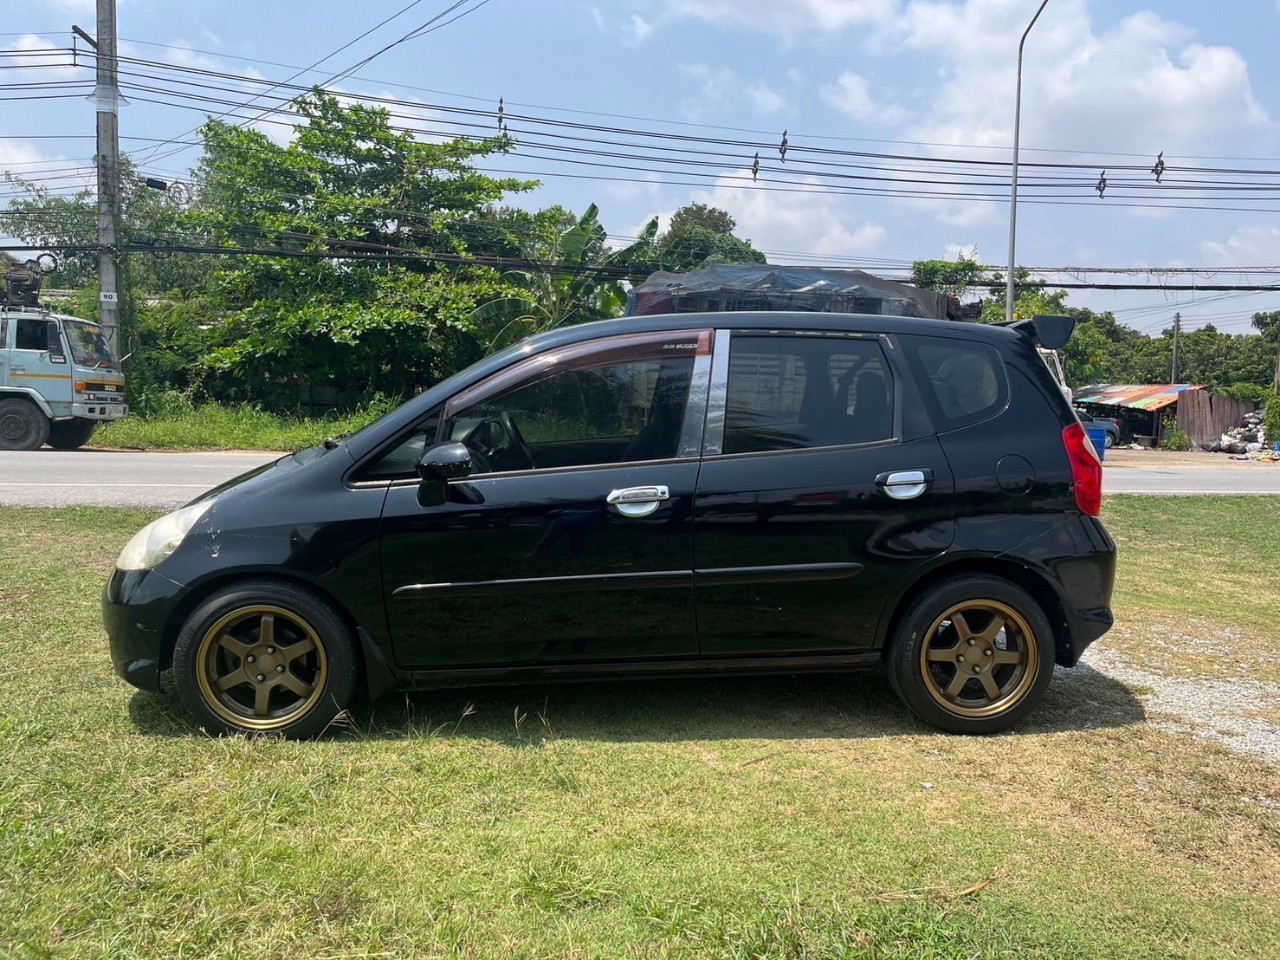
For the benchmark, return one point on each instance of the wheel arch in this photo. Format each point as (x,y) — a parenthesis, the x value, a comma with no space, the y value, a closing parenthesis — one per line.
(1028,578)
(375,673)
(31,396)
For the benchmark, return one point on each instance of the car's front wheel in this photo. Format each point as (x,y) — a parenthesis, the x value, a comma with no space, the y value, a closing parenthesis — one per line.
(973,654)
(265,657)
(1111,440)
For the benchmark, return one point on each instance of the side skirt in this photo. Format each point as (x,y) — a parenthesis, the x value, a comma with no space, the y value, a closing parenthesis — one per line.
(569,672)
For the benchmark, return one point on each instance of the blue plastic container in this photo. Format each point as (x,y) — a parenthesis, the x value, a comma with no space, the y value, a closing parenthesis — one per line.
(1099,438)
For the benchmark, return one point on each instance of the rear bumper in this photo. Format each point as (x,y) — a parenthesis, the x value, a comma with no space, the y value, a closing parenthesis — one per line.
(137,606)
(1086,582)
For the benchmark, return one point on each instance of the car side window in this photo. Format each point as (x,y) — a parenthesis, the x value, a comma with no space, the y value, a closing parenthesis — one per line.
(624,400)
(789,392)
(965,380)
(31,334)
(400,462)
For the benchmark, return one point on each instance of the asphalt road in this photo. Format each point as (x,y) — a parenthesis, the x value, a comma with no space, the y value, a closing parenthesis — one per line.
(100,478)
(52,478)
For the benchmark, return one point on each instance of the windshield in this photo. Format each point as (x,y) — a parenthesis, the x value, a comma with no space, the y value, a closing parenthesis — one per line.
(88,346)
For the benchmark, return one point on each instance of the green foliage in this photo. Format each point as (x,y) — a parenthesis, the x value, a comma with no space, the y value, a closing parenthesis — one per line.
(173,421)
(305,329)
(1174,437)
(699,235)
(1244,393)
(157,218)
(1033,297)
(573,280)
(952,278)
(1271,421)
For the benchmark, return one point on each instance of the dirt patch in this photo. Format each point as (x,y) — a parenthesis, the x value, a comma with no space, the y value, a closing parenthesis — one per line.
(1237,713)
(1167,458)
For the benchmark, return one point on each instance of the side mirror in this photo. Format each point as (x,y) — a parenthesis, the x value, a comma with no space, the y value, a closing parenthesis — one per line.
(437,466)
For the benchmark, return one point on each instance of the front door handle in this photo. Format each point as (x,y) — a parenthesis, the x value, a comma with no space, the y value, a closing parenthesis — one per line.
(637,502)
(905,484)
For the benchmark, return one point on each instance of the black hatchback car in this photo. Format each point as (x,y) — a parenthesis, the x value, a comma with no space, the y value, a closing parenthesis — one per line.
(694,494)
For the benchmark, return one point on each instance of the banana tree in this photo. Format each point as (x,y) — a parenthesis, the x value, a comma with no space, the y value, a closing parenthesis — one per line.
(572,280)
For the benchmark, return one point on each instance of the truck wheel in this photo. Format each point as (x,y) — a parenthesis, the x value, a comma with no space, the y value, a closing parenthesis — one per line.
(22,426)
(71,434)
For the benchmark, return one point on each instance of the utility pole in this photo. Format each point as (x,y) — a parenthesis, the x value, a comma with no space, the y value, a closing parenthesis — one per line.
(106,97)
(1177,333)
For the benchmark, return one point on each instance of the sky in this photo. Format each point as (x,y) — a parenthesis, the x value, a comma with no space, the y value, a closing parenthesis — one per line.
(898,117)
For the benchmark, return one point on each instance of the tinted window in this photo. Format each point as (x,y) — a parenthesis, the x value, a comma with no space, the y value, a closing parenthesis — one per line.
(401,461)
(790,392)
(965,380)
(31,334)
(611,413)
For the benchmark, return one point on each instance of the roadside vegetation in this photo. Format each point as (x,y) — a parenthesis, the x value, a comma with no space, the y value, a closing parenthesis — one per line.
(177,423)
(787,818)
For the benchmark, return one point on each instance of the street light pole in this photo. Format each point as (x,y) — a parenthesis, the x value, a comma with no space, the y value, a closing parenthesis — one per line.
(1013,188)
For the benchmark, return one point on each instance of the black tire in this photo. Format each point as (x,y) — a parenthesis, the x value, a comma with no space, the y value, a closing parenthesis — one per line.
(972,655)
(71,434)
(1111,440)
(285,658)
(22,425)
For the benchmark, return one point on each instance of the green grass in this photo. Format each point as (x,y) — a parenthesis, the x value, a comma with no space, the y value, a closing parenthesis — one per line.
(779,817)
(1199,567)
(182,425)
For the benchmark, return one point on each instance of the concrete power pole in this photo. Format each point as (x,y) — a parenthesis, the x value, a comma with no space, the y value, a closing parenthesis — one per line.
(107,103)
(1177,334)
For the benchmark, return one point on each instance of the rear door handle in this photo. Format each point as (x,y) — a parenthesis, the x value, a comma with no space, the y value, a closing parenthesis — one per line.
(637,502)
(905,484)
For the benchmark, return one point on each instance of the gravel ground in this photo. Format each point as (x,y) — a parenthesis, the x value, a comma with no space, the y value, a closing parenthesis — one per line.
(1208,709)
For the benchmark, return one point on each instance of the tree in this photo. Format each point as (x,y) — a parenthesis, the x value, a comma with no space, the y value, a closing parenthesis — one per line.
(952,278)
(574,279)
(339,277)
(700,234)
(153,219)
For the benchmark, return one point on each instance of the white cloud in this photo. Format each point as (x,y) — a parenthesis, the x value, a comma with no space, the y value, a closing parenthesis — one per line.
(1248,246)
(961,251)
(39,59)
(851,95)
(721,89)
(1142,87)
(639,28)
(820,222)
(764,99)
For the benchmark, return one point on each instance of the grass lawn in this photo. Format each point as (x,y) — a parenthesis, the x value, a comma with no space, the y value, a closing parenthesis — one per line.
(783,817)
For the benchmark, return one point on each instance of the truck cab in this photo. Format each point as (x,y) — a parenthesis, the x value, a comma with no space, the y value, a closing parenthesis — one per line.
(58,380)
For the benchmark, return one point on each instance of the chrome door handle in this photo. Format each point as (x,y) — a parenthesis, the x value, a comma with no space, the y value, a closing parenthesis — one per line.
(905,484)
(637,501)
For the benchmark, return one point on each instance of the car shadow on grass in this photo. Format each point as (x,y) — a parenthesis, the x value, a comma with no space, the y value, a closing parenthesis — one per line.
(828,706)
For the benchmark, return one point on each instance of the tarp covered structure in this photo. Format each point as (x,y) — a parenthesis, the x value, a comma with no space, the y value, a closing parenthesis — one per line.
(722,287)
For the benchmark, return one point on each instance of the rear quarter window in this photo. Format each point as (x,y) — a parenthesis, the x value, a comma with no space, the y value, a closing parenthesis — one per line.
(963,382)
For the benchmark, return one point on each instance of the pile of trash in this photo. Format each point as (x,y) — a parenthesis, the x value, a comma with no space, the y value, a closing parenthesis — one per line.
(1249,437)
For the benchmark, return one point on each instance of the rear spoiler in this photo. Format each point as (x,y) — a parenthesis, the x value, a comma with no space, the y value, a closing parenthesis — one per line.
(1047,331)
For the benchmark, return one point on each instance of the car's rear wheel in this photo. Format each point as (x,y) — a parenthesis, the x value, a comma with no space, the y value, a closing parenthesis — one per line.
(71,434)
(972,655)
(1111,440)
(265,657)
(22,425)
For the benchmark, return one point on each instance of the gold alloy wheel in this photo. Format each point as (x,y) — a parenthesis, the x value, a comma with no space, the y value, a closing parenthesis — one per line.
(979,659)
(261,668)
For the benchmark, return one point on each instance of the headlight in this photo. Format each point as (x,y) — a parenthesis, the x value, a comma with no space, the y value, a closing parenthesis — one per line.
(158,539)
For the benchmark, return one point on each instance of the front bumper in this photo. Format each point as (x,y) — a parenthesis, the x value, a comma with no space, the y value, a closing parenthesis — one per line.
(137,608)
(99,410)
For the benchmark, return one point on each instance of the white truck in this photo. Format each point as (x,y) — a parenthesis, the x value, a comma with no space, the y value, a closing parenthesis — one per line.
(58,380)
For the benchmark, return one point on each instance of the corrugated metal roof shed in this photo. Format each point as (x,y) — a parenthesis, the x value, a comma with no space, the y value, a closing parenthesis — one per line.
(1141,396)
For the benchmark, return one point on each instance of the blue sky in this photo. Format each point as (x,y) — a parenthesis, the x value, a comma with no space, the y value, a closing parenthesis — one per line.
(1106,85)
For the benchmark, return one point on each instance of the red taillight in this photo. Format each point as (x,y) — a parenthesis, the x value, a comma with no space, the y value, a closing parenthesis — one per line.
(1086,469)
